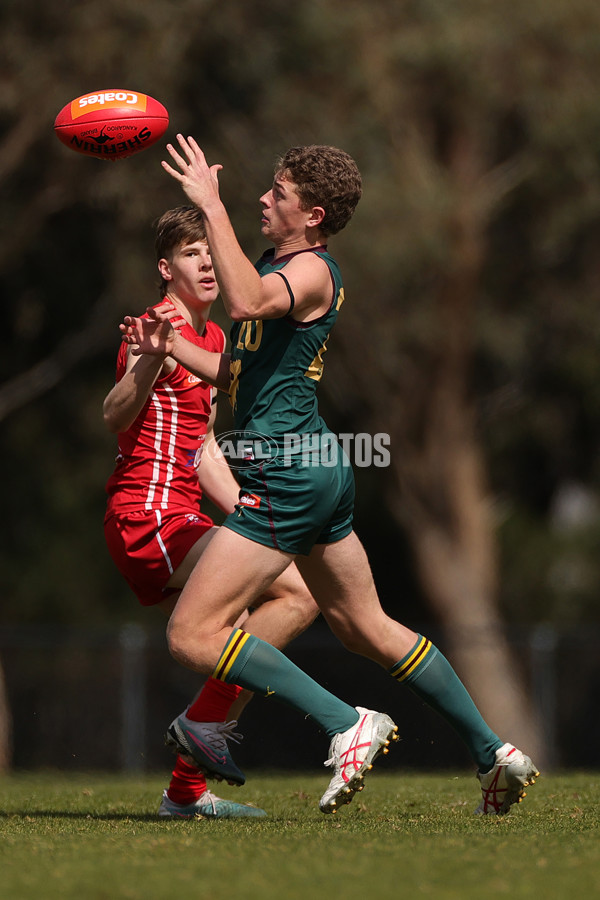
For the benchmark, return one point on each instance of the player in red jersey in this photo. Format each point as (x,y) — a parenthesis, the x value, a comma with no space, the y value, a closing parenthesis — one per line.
(154,527)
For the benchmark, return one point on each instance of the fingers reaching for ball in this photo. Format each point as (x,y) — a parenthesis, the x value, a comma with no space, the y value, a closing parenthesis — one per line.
(199,180)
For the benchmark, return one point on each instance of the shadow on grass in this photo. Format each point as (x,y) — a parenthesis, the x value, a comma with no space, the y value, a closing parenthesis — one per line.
(70,814)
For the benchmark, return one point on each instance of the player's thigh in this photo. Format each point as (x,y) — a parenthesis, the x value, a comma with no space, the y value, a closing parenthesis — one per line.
(339,573)
(231,573)
(181,574)
(340,579)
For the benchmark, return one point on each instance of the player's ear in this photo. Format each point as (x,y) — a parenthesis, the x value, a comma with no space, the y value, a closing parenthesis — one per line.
(316,216)
(164,269)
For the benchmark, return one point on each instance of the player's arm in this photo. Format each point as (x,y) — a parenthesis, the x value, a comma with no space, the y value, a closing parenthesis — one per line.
(215,477)
(208,365)
(123,404)
(158,336)
(304,291)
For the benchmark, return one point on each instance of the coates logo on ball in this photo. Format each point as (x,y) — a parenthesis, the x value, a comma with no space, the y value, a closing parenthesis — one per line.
(111,124)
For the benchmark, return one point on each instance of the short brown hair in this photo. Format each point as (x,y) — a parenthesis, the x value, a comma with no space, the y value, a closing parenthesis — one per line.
(175,228)
(324,176)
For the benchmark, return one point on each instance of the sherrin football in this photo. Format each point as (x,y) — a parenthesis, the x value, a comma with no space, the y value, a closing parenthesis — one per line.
(111,124)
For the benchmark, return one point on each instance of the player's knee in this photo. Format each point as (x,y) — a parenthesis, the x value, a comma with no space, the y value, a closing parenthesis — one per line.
(294,601)
(177,645)
(302,606)
(297,607)
(350,641)
(184,646)
(348,634)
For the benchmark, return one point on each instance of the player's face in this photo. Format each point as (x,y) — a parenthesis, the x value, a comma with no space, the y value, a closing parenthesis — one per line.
(282,217)
(190,273)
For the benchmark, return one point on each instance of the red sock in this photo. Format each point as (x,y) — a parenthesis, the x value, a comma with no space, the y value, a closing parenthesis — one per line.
(213,702)
(187,783)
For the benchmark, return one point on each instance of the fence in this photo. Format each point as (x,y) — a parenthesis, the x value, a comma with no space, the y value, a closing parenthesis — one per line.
(94,698)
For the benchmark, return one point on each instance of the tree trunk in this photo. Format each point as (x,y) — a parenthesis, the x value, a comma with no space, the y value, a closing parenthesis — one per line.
(437,488)
(456,563)
(444,489)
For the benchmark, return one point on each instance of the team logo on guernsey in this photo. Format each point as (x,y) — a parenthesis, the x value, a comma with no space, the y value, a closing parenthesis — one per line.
(250,500)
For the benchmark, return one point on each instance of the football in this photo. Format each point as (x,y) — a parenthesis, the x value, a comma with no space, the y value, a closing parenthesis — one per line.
(111,124)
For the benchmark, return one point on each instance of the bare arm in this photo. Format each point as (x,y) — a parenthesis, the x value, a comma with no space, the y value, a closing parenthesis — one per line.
(205,364)
(245,294)
(157,336)
(215,477)
(125,401)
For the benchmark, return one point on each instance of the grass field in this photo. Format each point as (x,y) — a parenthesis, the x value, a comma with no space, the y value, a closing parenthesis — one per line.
(97,837)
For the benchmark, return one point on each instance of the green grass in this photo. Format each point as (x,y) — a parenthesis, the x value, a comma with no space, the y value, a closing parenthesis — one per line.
(97,837)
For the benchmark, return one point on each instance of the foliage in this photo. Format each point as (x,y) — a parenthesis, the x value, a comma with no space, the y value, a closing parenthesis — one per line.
(66,837)
(463,113)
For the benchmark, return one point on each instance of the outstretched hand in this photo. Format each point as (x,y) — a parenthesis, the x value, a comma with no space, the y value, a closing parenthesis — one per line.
(154,335)
(197,178)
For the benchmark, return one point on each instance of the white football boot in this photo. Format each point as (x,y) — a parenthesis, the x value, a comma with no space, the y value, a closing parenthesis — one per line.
(506,781)
(352,754)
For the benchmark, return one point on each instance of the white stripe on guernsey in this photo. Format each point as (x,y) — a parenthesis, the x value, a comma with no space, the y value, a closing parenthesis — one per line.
(162,467)
(161,544)
(158,455)
(173,434)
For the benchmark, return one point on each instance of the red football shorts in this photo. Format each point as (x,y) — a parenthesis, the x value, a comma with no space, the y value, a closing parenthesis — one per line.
(149,545)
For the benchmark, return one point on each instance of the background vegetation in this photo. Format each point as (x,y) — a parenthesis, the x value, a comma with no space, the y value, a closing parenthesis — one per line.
(472,275)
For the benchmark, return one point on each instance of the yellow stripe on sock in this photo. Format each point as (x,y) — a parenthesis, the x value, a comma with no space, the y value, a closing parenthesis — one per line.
(230,654)
(415,659)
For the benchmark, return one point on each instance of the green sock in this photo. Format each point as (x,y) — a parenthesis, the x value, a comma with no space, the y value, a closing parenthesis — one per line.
(257,666)
(428,674)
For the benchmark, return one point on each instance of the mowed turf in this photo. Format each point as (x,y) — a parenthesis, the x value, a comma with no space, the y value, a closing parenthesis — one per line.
(97,837)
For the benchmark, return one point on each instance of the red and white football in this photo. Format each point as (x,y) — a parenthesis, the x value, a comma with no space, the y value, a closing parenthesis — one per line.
(111,124)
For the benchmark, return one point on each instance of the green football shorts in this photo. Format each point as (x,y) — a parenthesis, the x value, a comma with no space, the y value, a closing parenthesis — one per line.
(292,507)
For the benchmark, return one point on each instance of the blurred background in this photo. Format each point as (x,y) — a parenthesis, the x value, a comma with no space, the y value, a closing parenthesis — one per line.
(469,335)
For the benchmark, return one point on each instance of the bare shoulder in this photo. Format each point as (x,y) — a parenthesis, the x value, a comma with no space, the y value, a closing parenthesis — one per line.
(308,272)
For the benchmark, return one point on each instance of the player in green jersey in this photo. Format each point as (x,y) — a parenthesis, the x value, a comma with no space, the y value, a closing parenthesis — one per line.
(275,366)
(282,312)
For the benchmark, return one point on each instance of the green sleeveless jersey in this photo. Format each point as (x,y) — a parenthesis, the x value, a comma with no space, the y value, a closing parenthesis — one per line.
(276,365)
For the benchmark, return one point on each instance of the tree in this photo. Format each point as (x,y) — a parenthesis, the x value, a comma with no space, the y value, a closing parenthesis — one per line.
(473,108)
